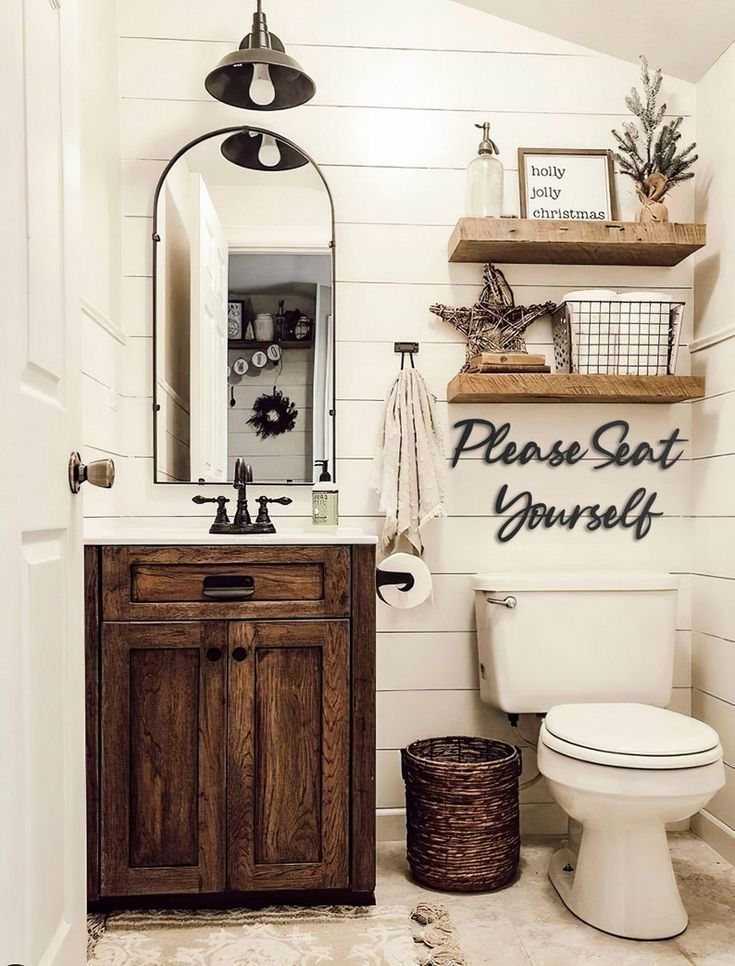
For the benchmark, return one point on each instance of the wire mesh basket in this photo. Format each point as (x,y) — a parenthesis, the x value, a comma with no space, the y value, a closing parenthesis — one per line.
(617,337)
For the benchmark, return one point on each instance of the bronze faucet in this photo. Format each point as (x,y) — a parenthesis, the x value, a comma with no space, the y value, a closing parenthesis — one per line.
(243,476)
(242,522)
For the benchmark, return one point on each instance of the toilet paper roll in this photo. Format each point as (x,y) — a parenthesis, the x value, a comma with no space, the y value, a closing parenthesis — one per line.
(594,330)
(412,591)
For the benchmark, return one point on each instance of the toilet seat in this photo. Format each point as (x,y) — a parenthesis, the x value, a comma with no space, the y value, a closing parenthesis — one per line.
(629,736)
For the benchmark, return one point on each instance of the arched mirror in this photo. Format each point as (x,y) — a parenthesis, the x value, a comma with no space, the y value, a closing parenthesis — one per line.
(243,311)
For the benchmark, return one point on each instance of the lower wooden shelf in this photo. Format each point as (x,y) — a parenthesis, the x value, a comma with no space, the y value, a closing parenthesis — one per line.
(519,387)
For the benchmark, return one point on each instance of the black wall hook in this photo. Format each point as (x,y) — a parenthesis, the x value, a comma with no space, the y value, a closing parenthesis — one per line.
(406,348)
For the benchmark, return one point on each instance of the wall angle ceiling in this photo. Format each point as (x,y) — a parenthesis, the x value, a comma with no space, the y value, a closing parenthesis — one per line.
(683,37)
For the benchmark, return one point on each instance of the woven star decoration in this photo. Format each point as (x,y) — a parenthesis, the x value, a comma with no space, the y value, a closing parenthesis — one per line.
(494,323)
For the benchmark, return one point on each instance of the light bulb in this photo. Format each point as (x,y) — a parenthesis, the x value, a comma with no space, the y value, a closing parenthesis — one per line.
(262,90)
(269,155)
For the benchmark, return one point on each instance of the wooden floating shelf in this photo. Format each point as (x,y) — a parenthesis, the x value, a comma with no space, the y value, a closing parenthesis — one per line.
(519,387)
(531,242)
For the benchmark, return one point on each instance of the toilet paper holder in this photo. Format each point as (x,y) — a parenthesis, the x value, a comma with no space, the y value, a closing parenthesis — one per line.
(393,578)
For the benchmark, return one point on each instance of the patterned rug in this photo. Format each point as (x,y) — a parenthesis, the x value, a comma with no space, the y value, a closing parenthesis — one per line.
(278,936)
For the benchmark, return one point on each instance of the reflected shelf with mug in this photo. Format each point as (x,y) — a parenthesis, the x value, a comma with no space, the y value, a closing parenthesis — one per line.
(255,344)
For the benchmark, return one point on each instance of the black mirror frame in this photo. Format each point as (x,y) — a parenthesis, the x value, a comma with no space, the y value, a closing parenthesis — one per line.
(156,238)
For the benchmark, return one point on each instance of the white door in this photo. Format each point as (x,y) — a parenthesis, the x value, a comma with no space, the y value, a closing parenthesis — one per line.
(208,401)
(42,808)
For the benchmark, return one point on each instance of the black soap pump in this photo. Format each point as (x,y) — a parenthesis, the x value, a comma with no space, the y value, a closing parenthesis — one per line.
(324,498)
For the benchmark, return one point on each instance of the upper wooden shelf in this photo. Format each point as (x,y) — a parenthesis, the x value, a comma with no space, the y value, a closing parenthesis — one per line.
(518,387)
(531,242)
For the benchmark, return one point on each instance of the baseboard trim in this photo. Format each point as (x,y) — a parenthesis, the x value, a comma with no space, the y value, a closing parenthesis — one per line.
(715,833)
(390,825)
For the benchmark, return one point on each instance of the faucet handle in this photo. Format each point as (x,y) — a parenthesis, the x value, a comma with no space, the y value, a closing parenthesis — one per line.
(221,501)
(263,516)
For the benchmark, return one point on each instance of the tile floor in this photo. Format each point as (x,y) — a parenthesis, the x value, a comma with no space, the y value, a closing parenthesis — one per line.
(527,923)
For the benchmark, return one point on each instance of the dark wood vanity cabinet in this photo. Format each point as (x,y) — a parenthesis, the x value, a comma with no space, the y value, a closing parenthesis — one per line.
(230,743)
(288,755)
(162,758)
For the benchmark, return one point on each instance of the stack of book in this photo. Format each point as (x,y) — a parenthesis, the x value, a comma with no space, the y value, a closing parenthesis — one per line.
(508,362)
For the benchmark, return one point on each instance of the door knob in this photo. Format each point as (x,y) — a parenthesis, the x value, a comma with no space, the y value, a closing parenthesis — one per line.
(98,473)
(240,653)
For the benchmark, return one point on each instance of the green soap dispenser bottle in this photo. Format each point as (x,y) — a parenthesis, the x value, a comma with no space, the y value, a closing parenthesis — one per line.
(324,498)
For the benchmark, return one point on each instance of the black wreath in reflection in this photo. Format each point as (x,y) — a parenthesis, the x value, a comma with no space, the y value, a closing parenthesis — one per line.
(273,415)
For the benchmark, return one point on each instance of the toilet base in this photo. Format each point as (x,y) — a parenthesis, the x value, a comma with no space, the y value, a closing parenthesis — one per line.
(622,883)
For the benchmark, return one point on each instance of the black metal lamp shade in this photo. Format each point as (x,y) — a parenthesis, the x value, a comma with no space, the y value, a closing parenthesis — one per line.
(232,78)
(261,54)
(243,148)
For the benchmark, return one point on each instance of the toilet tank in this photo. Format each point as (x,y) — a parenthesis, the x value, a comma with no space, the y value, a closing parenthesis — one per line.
(575,638)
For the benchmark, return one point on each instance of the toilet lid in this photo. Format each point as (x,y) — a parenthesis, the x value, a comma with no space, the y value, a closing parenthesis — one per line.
(630,736)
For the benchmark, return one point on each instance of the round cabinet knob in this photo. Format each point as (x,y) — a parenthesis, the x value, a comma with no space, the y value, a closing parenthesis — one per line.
(98,473)
(240,653)
(213,654)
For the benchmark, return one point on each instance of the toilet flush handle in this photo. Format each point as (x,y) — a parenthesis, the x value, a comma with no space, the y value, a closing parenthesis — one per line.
(510,602)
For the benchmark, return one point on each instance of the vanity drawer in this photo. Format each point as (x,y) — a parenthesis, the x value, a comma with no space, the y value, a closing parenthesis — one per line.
(197,583)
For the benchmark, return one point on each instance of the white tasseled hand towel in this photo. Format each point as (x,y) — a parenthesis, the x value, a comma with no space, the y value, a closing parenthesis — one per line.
(409,464)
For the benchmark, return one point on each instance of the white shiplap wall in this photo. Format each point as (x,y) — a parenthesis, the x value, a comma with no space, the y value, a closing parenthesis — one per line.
(399,88)
(103,338)
(713,466)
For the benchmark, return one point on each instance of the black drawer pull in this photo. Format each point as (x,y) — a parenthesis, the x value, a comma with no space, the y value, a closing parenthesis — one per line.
(225,587)
(213,654)
(240,653)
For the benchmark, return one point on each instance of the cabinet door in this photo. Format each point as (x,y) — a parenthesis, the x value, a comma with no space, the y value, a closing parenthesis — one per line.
(162,761)
(288,755)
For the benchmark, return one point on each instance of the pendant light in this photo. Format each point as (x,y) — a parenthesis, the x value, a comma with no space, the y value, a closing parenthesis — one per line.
(260,75)
(261,151)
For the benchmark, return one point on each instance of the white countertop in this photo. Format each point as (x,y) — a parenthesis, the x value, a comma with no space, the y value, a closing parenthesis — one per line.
(121,536)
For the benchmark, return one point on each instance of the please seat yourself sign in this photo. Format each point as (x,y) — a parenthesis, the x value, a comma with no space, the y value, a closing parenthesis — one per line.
(609,445)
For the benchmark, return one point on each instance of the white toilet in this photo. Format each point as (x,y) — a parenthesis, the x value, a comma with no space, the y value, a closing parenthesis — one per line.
(595,653)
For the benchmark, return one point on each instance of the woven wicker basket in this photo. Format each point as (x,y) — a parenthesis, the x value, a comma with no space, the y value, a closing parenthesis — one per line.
(462,812)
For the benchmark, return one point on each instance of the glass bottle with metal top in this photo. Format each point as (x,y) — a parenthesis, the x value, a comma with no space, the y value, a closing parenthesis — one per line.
(485,179)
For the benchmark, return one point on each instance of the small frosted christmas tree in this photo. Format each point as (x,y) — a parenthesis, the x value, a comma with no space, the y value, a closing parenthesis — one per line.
(651,154)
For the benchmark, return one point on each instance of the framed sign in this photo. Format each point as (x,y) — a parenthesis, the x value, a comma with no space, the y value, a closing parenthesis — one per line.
(567,184)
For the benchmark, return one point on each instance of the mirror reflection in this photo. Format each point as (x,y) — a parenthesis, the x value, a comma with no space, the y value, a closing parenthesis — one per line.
(243,312)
